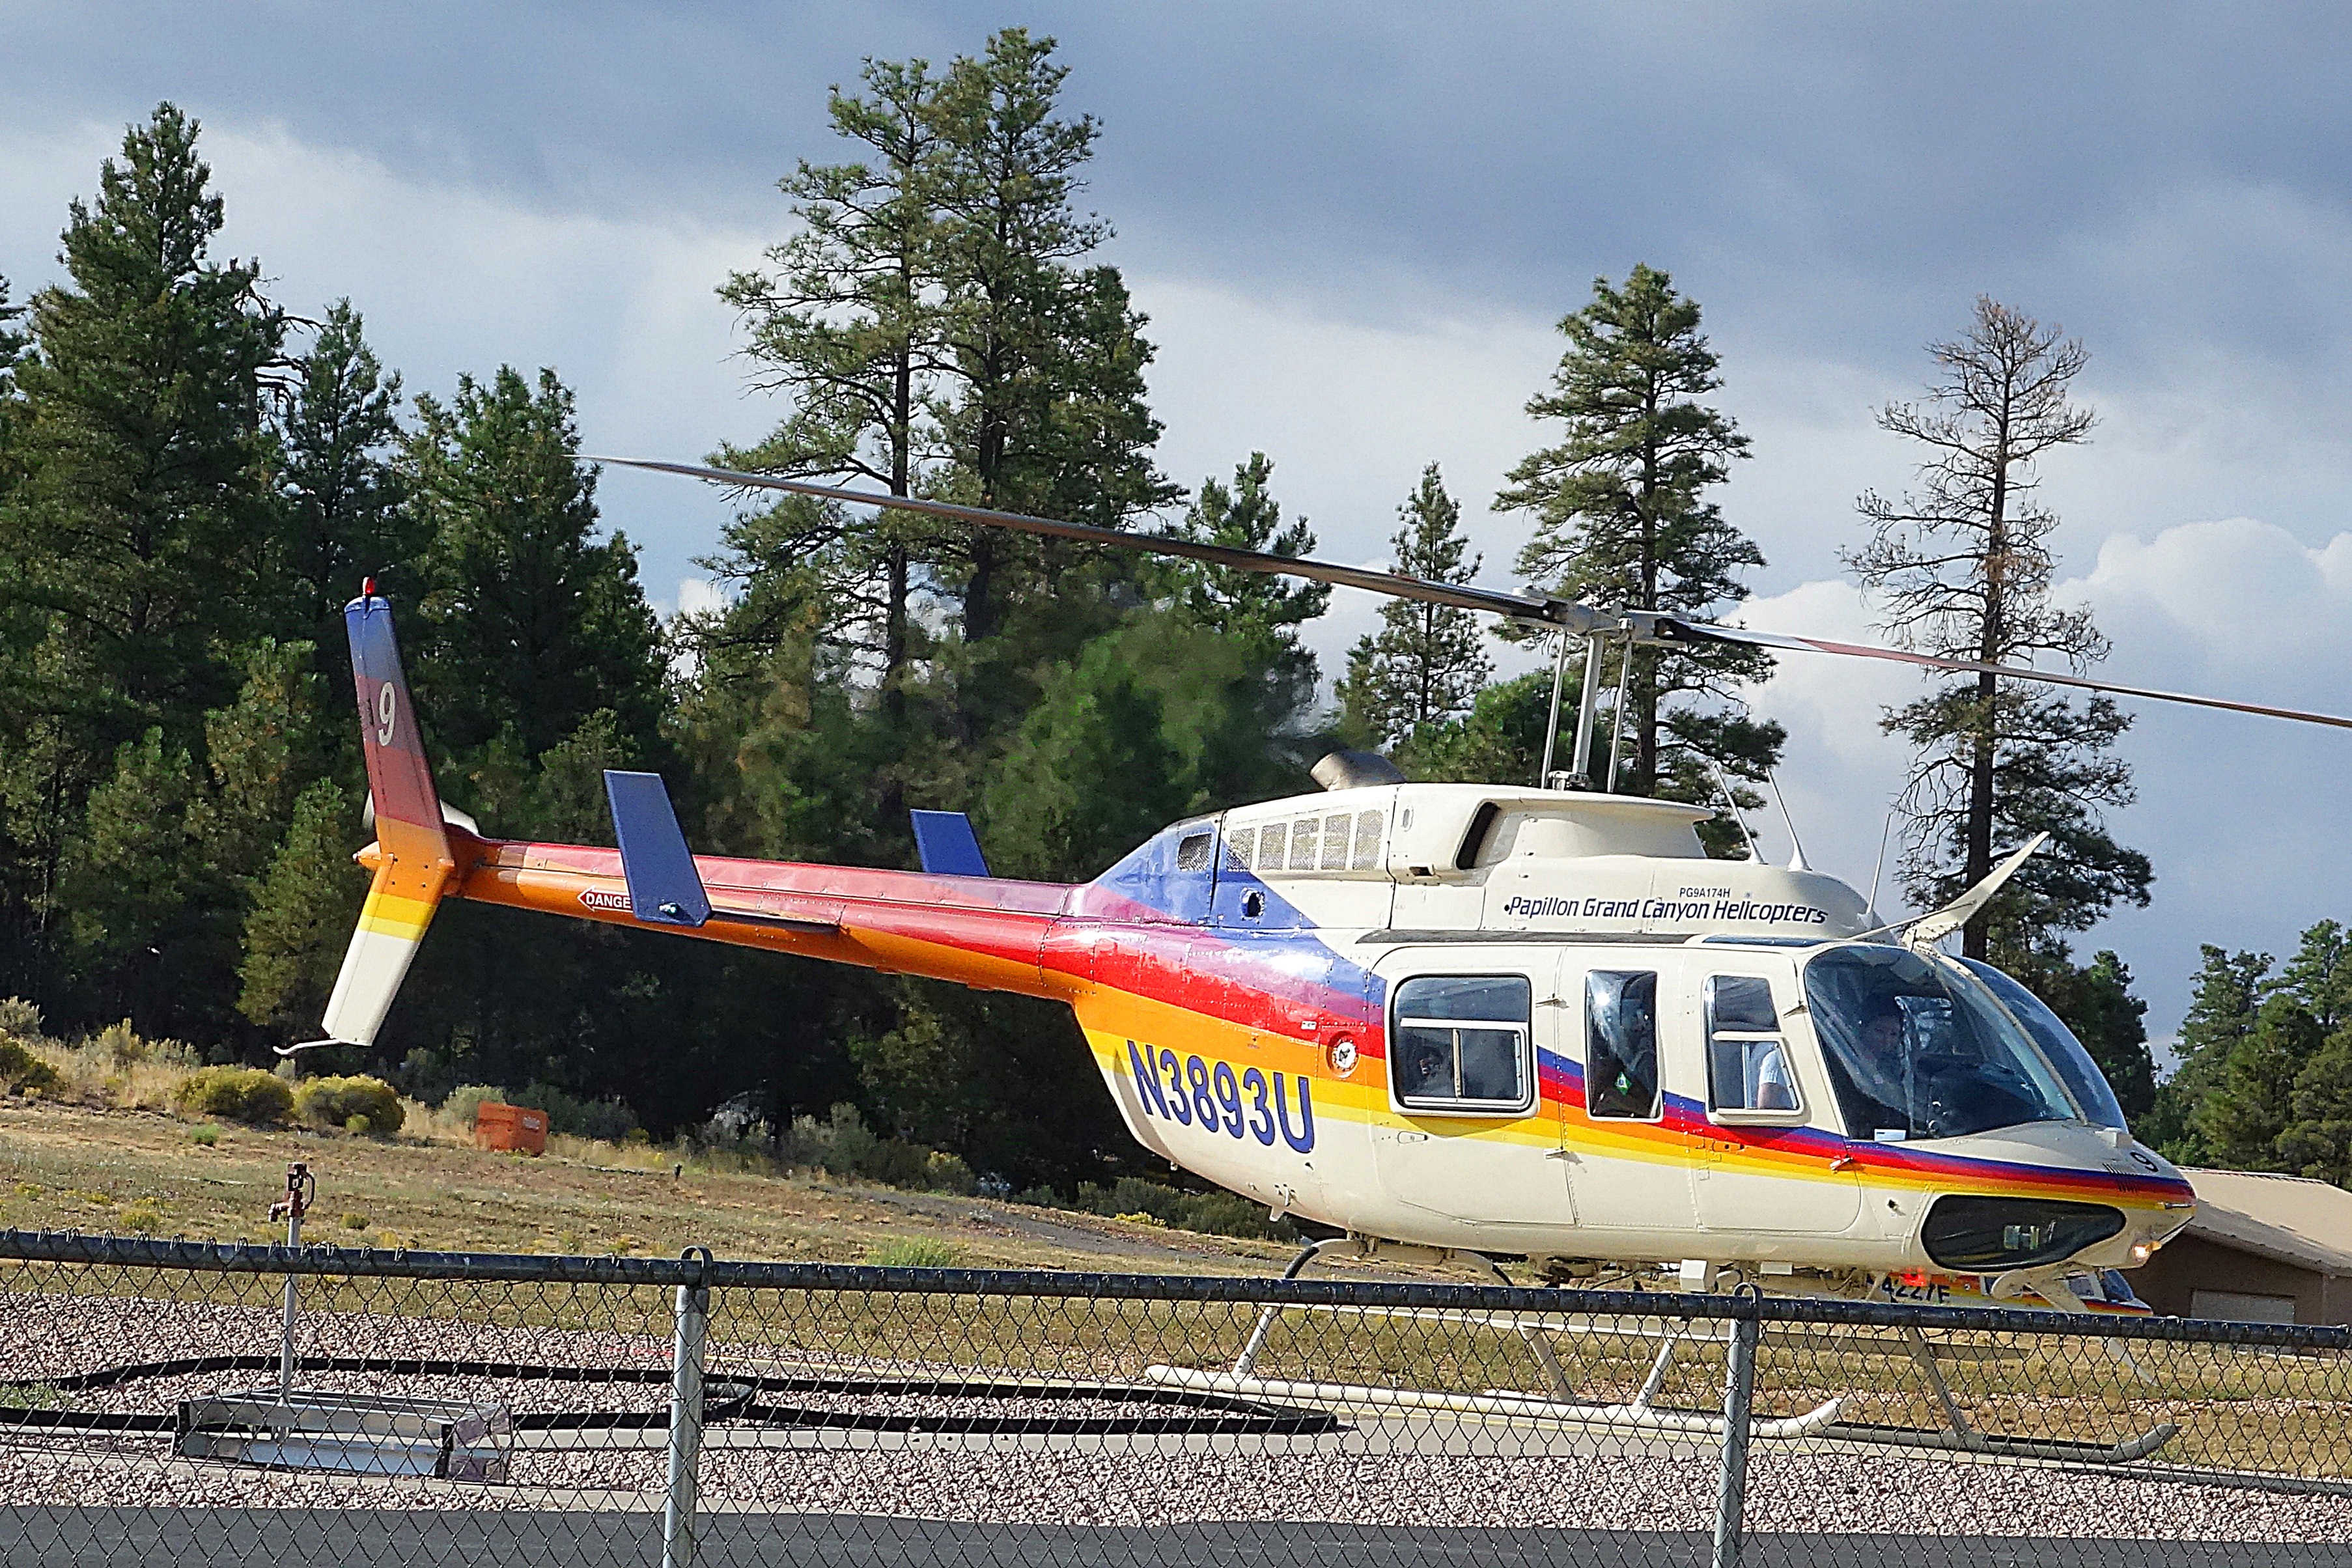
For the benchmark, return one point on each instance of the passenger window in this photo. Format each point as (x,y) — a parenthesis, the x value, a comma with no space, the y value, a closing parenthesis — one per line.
(1460,1043)
(1270,840)
(1367,841)
(1335,840)
(1620,1045)
(1193,852)
(1240,846)
(1302,843)
(1746,1057)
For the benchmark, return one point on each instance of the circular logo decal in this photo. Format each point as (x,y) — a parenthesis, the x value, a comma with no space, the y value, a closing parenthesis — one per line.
(1343,1056)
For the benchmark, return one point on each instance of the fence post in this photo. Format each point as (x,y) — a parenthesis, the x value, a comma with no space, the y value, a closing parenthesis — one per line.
(693,1312)
(1738,1391)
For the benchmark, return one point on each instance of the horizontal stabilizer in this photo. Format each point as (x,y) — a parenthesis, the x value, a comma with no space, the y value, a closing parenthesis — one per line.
(664,887)
(948,844)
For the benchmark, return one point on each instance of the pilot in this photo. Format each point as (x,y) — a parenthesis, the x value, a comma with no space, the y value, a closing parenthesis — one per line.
(1878,1062)
(1882,1032)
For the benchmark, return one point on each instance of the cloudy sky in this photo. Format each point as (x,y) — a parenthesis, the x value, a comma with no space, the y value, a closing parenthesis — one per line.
(1354,231)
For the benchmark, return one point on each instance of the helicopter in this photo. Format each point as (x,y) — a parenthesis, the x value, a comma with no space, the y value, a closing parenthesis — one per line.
(1537,1022)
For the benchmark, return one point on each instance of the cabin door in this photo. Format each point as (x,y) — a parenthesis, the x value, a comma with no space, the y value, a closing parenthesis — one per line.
(1459,1126)
(1763,1144)
(1620,1070)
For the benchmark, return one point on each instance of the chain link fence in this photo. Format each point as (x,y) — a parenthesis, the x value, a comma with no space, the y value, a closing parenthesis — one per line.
(433,1407)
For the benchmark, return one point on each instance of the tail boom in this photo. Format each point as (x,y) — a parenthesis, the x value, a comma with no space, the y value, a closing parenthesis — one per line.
(988,934)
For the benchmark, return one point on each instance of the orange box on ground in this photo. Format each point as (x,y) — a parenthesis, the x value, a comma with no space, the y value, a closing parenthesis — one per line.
(511,1128)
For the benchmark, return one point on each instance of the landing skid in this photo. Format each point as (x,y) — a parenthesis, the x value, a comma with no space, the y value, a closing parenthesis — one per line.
(1642,1412)
(1638,1413)
(1959,1436)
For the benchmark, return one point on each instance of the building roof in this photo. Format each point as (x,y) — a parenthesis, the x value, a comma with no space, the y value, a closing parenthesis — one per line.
(2291,1218)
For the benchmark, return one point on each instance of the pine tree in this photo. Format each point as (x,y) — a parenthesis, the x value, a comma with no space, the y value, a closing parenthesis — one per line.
(1425,664)
(338,485)
(1042,400)
(1500,739)
(850,323)
(1047,812)
(2241,1120)
(2229,990)
(1261,612)
(568,796)
(144,499)
(130,885)
(1963,568)
(2318,1141)
(1622,521)
(2319,975)
(530,622)
(259,751)
(12,349)
(134,525)
(21,627)
(303,912)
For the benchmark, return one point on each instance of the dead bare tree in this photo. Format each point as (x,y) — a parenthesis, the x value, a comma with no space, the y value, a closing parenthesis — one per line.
(1962,568)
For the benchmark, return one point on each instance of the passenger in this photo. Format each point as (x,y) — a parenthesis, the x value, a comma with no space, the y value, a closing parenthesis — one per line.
(1425,1076)
(1773,1090)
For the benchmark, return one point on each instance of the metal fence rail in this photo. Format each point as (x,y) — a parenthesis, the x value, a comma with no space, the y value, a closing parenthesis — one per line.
(459,1407)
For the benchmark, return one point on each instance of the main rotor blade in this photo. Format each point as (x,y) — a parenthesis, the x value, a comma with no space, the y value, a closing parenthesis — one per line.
(1674,629)
(1561,612)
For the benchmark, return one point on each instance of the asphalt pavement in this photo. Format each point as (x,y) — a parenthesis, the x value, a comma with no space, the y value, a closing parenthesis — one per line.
(52,1537)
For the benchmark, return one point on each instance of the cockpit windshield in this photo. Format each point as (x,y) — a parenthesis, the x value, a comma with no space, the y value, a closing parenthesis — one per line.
(2088,1085)
(1918,1047)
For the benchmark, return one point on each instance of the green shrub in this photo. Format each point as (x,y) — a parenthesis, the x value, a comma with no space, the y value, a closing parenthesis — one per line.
(609,1120)
(946,1173)
(843,1145)
(205,1136)
(426,1076)
(21,1071)
(120,1043)
(241,1094)
(467,1098)
(326,1102)
(31,1397)
(1213,1214)
(914,1252)
(20,1018)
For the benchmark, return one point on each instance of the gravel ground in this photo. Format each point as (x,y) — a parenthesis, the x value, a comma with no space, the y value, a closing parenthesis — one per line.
(1596,1481)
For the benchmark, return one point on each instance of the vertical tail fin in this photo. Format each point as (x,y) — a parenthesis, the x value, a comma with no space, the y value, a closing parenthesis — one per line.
(416,863)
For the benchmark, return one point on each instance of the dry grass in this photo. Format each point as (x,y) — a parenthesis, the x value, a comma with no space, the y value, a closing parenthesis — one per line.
(74,1168)
(116,1067)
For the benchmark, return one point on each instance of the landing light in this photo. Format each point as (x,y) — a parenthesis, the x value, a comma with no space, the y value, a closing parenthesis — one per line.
(2141,1252)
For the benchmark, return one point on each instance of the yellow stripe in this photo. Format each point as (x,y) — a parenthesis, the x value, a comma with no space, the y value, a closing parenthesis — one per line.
(1111,1018)
(389,914)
